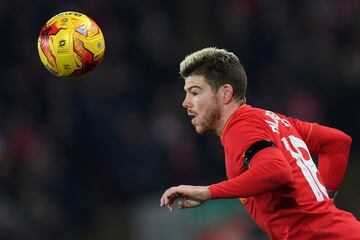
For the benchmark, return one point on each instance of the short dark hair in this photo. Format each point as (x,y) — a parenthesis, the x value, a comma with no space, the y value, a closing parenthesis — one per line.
(219,67)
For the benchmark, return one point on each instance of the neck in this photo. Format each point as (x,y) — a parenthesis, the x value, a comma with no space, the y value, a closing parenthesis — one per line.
(226,115)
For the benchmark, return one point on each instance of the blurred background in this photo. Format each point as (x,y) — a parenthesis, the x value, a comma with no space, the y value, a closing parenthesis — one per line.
(90,158)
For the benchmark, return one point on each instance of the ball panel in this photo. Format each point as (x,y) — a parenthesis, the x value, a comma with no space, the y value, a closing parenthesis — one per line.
(45,47)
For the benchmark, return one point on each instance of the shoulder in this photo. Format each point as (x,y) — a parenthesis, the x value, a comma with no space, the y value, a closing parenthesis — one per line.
(249,121)
(245,129)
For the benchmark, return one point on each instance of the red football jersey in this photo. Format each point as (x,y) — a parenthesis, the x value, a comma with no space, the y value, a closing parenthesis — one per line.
(283,190)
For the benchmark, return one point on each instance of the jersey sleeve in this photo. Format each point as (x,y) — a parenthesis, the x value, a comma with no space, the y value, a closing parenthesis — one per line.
(332,147)
(268,170)
(303,128)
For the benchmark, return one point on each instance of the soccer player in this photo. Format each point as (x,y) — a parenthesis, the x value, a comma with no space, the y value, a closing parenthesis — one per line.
(267,156)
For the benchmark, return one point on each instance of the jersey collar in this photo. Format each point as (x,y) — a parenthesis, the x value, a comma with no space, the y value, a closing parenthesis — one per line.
(229,120)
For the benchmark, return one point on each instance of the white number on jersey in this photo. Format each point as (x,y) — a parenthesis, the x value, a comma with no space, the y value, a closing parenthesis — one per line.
(307,166)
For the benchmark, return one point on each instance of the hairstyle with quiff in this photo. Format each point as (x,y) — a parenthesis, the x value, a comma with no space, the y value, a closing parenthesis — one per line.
(218,67)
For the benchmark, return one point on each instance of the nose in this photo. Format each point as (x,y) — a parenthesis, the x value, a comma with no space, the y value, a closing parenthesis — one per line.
(186,103)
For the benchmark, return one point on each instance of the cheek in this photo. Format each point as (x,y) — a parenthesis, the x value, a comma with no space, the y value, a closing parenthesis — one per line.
(202,107)
(202,102)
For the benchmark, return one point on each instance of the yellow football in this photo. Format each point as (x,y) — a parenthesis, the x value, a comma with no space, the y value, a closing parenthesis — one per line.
(71,44)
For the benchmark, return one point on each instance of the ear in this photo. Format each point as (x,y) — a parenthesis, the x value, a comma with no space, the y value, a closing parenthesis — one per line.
(227,93)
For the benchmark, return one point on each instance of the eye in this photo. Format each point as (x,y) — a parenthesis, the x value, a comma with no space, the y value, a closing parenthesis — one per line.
(194,93)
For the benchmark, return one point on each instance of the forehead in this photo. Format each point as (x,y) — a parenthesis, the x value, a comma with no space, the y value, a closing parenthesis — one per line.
(195,81)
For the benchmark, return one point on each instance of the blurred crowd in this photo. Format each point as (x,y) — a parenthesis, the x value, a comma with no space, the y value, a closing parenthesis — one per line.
(77,155)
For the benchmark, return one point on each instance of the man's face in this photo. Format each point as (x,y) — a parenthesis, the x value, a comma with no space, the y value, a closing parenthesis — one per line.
(202,105)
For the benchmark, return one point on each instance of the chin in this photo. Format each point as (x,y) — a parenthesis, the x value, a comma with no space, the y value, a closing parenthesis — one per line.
(201,130)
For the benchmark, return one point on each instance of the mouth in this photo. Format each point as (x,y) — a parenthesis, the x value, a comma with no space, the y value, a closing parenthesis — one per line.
(192,117)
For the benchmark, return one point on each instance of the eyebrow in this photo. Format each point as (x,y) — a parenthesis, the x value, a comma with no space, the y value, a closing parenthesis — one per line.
(189,88)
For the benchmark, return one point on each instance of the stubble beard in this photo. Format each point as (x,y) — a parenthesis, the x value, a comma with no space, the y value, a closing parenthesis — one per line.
(211,118)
